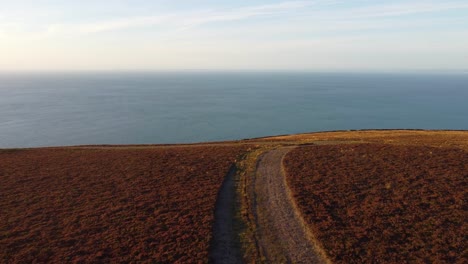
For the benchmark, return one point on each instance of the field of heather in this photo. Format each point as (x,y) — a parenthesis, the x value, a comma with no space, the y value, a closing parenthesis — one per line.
(367,196)
(110,204)
(370,203)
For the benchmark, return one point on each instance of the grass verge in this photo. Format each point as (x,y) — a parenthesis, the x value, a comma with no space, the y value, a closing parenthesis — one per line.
(244,215)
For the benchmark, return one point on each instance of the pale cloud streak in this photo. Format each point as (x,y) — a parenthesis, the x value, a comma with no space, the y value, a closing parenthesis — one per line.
(288,34)
(312,12)
(184,20)
(407,8)
(120,24)
(187,20)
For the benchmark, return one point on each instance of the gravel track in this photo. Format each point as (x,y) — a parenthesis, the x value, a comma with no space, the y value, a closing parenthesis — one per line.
(281,234)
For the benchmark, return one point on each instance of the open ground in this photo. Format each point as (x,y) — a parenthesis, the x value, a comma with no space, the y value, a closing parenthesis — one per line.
(238,201)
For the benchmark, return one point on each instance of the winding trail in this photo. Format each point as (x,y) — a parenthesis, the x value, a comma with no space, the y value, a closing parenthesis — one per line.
(281,233)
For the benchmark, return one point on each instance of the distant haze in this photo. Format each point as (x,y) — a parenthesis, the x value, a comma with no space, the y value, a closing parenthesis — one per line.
(50,35)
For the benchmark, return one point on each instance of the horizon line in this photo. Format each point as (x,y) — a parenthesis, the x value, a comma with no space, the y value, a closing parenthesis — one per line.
(465,71)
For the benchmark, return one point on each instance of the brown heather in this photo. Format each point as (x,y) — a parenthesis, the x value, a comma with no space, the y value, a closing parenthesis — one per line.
(110,204)
(375,203)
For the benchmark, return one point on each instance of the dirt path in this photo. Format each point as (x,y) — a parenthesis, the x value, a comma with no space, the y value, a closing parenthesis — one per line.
(224,248)
(281,234)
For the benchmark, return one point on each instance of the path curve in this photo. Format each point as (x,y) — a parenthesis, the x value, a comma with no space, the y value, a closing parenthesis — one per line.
(281,234)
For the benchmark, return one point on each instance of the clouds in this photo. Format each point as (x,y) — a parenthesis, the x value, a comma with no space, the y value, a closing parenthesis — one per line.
(237,34)
(401,8)
(119,24)
(184,20)
(404,9)
(312,12)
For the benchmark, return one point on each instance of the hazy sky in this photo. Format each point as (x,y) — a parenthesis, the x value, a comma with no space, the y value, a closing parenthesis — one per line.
(232,35)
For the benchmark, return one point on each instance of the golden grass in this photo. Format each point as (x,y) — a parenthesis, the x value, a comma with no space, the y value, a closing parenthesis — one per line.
(433,138)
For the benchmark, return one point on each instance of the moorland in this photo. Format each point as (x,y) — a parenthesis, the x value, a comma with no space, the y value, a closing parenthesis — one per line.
(358,196)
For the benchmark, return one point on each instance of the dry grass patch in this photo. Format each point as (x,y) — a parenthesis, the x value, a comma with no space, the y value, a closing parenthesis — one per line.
(458,139)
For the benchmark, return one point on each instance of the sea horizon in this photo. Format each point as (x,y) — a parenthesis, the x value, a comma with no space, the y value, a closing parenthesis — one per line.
(167,107)
(246,70)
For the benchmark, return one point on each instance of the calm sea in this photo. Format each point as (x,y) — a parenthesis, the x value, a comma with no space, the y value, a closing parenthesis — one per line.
(134,108)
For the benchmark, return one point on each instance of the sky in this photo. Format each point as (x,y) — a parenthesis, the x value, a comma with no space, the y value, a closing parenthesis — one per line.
(315,35)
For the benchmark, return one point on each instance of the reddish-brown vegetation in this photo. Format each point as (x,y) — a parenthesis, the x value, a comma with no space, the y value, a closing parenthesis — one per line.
(110,204)
(373,203)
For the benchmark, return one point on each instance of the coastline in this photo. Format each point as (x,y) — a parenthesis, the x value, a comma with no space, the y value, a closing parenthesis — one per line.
(244,140)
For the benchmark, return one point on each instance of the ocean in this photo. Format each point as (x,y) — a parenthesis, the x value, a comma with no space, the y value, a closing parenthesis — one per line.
(57,109)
